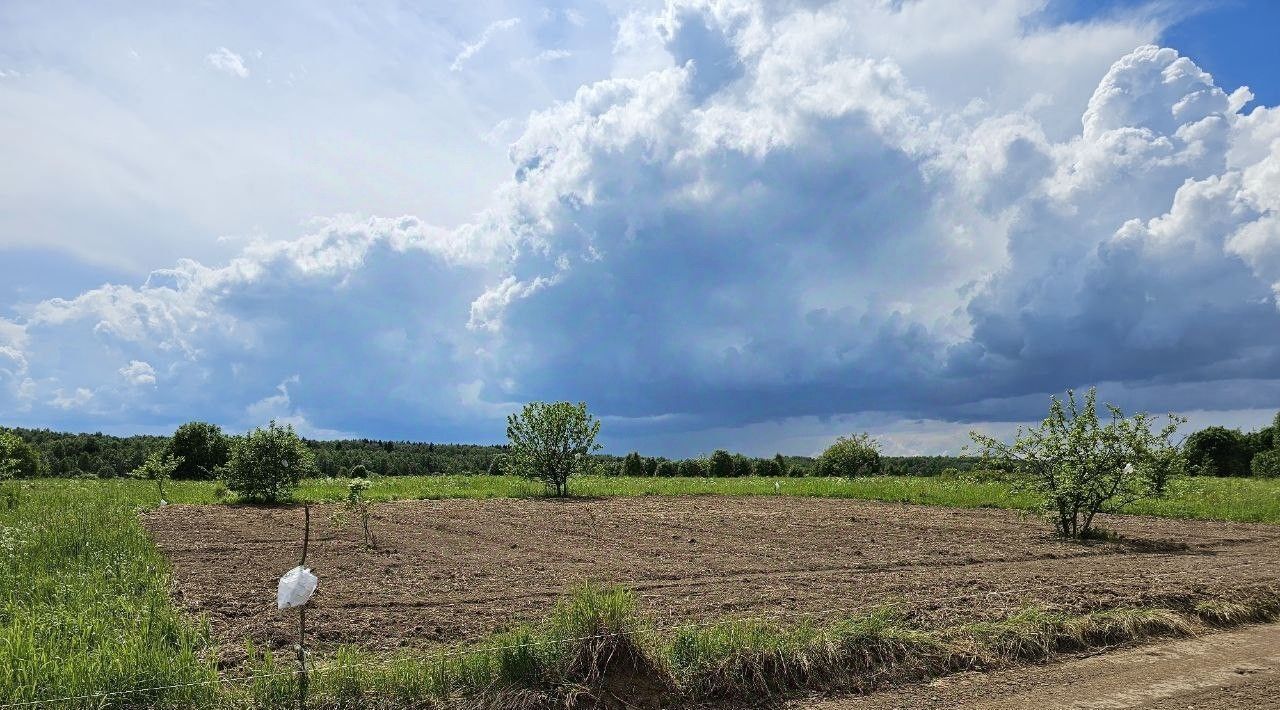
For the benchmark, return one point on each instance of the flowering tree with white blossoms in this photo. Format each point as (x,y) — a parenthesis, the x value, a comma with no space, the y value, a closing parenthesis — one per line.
(1078,467)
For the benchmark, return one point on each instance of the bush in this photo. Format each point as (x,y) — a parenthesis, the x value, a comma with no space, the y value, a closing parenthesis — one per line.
(850,456)
(692,468)
(1217,451)
(1078,467)
(200,449)
(720,464)
(551,442)
(668,469)
(267,464)
(1266,464)
(158,467)
(632,465)
(768,468)
(18,459)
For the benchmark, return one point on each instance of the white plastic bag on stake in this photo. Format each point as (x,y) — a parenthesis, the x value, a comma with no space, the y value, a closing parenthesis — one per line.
(296,587)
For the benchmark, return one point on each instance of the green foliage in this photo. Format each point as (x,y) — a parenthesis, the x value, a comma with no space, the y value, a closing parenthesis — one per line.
(85,606)
(668,469)
(720,464)
(1266,464)
(632,465)
(650,466)
(742,466)
(18,459)
(851,456)
(692,468)
(201,449)
(355,508)
(158,467)
(267,463)
(768,468)
(1078,467)
(1217,451)
(782,467)
(551,442)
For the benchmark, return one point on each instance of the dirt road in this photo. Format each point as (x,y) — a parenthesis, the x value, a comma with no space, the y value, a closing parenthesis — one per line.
(1222,671)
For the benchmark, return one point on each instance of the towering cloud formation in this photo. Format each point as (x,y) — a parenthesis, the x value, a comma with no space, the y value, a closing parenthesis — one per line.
(803,210)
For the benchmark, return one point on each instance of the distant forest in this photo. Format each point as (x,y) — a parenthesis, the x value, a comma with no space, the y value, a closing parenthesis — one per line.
(67,455)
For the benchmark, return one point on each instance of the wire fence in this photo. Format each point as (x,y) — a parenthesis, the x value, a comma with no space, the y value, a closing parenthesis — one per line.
(1149,579)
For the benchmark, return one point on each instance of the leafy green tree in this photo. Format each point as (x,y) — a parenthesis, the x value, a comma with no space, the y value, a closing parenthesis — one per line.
(850,456)
(650,466)
(781,465)
(692,468)
(18,458)
(667,469)
(1266,464)
(632,465)
(552,441)
(768,467)
(498,465)
(742,466)
(360,471)
(1079,467)
(201,448)
(158,467)
(720,464)
(1217,451)
(267,463)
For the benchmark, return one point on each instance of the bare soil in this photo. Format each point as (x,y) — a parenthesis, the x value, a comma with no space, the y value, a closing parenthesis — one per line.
(456,570)
(1223,671)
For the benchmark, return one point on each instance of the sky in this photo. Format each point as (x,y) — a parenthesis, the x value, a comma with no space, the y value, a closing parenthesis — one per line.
(743,224)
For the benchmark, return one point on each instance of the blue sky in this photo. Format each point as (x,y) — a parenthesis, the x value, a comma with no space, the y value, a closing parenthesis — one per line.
(723,223)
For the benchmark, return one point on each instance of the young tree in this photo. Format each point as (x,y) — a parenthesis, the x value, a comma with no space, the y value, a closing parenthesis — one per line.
(668,469)
(854,455)
(200,447)
(267,464)
(650,466)
(742,466)
(1079,467)
(551,442)
(356,507)
(158,467)
(720,464)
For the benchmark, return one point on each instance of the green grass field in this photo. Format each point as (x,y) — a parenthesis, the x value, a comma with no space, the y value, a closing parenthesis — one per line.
(84,606)
(1237,499)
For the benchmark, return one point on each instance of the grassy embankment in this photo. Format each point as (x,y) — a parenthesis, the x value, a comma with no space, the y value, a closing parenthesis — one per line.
(84,606)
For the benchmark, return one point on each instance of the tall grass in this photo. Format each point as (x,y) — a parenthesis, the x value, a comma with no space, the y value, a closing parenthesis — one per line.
(84,605)
(1254,500)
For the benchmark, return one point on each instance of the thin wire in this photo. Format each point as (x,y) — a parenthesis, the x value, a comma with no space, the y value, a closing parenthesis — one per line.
(647,630)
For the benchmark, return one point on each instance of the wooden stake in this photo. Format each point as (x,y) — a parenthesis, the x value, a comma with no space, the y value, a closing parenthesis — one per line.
(303,681)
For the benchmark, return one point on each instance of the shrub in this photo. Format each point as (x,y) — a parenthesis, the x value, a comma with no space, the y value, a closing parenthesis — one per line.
(742,466)
(632,465)
(650,466)
(668,469)
(768,468)
(267,464)
(720,464)
(552,441)
(18,459)
(692,468)
(1217,451)
(1266,464)
(200,449)
(498,465)
(855,455)
(1078,468)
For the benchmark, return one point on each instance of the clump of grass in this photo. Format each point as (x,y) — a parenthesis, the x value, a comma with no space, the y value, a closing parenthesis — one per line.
(84,604)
